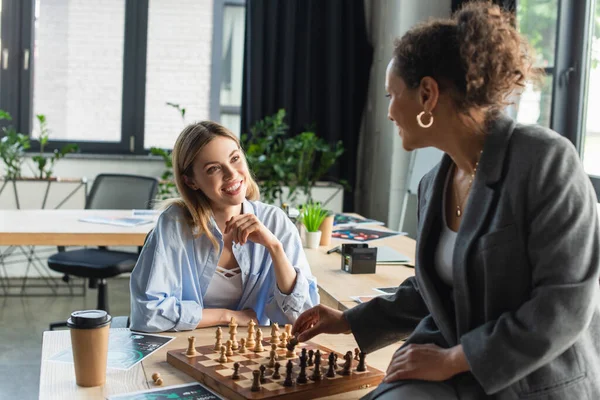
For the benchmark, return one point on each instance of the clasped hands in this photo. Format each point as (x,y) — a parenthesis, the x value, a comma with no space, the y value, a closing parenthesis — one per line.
(246,227)
(427,362)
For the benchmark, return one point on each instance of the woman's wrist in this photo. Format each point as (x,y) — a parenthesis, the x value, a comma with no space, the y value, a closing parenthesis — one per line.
(274,247)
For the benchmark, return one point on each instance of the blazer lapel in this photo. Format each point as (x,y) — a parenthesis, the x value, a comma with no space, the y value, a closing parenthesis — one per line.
(427,237)
(479,204)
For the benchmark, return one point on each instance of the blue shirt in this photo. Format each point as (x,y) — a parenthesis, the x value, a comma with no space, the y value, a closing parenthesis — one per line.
(174,269)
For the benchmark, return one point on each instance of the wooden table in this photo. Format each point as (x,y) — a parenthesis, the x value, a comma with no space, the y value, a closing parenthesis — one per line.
(336,286)
(57,380)
(63,228)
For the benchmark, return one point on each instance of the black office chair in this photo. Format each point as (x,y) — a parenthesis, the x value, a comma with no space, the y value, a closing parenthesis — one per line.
(109,192)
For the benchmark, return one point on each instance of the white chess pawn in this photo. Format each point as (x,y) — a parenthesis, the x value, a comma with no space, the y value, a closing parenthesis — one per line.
(223,357)
(242,348)
(250,340)
(229,352)
(258,347)
(218,343)
(283,340)
(274,333)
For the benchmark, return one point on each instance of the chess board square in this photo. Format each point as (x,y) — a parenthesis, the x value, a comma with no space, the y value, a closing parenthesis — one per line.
(208,363)
(248,362)
(335,377)
(252,355)
(244,383)
(237,358)
(247,375)
(225,372)
(228,365)
(272,386)
(212,356)
(359,372)
(198,354)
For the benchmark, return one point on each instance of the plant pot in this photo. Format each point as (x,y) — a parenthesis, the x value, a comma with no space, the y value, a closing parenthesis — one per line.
(326,228)
(313,239)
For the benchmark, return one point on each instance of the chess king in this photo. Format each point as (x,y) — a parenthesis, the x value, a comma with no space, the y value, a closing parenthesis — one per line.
(217,252)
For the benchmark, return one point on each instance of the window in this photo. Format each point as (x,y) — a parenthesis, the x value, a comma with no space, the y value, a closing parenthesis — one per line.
(103,72)
(591,139)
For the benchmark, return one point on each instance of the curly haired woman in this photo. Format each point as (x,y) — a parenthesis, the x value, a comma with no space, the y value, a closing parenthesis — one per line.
(504,303)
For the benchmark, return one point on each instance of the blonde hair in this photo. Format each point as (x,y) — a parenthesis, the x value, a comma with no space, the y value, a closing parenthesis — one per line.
(190,142)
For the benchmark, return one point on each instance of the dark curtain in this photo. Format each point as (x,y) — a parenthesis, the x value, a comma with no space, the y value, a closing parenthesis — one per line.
(510,5)
(311,57)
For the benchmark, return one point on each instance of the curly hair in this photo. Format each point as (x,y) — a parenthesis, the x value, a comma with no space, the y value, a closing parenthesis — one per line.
(478,56)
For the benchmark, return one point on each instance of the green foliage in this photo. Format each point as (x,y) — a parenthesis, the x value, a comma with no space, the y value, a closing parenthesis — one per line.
(180,109)
(12,148)
(278,160)
(312,216)
(45,164)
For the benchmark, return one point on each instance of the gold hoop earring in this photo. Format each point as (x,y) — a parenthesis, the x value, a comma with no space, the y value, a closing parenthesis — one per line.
(421,124)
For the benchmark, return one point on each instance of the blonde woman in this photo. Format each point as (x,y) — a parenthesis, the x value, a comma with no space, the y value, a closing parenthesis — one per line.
(217,252)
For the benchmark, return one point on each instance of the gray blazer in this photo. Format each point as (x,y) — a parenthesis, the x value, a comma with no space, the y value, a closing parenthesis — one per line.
(525,301)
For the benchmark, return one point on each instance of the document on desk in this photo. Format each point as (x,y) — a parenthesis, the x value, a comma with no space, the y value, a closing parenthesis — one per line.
(387,255)
(123,221)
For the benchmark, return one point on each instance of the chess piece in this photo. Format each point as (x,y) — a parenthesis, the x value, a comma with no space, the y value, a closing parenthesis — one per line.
(219,336)
(258,347)
(335,364)
(158,382)
(316,376)
(288,374)
(272,356)
(283,340)
(191,350)
(232,334)
(291,353)
(288,330)
(155,376)
(223,357)
(302,375)
(262,369)
(347,365)
(255,381)
(331,370)
(229,352)
(276,371)
(310,357)
(356,351)
(236,374)
(274,331)
(250,341)
(361,362)
(242,348)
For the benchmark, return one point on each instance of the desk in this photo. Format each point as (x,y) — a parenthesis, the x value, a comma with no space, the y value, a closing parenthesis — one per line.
(336,286)
(57,380)
(63,228)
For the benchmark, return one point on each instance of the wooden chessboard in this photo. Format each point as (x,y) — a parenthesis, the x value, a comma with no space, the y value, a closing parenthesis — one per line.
(205,368)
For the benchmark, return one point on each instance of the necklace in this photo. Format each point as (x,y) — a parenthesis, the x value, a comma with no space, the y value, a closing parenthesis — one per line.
(459,204)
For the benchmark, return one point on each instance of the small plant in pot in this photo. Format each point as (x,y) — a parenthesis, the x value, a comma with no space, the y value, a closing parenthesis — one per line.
(312,216)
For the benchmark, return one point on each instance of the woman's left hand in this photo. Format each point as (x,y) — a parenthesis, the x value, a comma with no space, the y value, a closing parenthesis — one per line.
(246,227)
(427,362)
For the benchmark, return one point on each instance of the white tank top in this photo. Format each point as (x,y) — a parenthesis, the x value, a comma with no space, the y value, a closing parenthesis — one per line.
(225,289)
(445,247)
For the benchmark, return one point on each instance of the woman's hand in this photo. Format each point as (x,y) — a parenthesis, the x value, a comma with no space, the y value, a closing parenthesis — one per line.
(427,362)
(317,320)
(246,227)
(243,317)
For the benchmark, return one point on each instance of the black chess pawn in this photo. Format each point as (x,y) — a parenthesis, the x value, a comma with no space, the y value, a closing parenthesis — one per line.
(262,369)
(356,352)
(255,381)
(310,357)
(335,365)
(361,362)
(288,374)
(276,371)
(331,370)
(236,367)
(316,376)
(302,375)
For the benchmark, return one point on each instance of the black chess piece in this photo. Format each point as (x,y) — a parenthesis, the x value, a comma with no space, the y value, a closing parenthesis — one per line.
(276,371)
(335,365)
(356,352)
(361,362)
(262,369)
(347,364)
(331,370)
(316,376)
(236,367)
(302,375)
(288,374)
(255,381)
(310,357)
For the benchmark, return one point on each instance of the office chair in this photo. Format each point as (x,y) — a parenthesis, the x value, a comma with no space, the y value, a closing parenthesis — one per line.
(109,192)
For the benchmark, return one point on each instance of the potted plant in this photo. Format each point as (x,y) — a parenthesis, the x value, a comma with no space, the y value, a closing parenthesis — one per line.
(12,148)
(312,216)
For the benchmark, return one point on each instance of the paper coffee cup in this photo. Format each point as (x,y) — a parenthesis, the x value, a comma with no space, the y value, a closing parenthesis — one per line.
(326,228)
(89,340)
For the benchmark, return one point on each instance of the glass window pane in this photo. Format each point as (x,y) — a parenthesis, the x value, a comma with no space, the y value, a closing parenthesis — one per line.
(78,76)
(536,19)
(232,122)
(178,67)
(591,139)
(535,103)
(232,56)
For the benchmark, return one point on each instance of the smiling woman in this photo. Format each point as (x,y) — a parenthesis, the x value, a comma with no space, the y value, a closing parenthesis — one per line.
(217,252)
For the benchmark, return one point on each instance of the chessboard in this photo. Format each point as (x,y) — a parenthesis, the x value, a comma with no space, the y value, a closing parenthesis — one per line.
(205,368)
